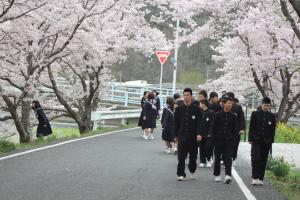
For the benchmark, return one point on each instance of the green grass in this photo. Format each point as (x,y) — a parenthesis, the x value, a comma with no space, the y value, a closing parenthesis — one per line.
(284,133)
(6,146)
(283,177)
(62,134)
(287,134)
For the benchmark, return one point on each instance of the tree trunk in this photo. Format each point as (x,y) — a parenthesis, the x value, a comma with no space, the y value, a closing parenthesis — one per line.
(85,124)
(24,135)
(296,6)
(25,119)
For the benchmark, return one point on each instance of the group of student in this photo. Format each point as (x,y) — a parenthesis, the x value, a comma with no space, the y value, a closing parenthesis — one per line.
(212,126)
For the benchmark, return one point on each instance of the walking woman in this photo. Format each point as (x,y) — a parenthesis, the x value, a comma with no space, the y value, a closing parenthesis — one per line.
(143,101)
(167,123)
(44,127)
(149,118)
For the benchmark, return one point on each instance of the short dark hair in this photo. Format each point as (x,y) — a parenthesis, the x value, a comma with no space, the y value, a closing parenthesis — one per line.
(188,90)
(156,92)
(151,95)
(170,101)
(226,98)
(176,96)
(205,102)
(266,100)
(145,92)
(231,95)
(203,93)
(213,94)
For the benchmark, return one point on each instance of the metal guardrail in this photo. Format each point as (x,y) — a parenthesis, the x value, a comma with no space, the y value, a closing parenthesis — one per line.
(97,116)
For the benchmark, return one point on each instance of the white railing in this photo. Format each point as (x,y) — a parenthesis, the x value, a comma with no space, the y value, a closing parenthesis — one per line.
(97,116)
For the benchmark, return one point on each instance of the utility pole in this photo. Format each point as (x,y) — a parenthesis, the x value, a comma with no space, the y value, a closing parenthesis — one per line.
(176,56)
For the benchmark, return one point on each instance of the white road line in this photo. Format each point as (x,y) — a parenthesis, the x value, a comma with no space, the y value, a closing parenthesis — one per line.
(242,185)
(62,143)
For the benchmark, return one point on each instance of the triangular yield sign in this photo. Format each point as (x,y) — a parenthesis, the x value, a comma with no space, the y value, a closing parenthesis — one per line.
(162,56)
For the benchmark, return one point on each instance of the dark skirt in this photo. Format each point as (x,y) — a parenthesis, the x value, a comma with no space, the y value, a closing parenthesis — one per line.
(167,136)
(43,130)
(141,122)
(149,122)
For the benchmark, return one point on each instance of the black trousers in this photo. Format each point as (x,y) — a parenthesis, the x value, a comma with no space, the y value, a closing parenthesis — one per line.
(224,148)
(185,148)
(206,150)
(259,157)
(236,147)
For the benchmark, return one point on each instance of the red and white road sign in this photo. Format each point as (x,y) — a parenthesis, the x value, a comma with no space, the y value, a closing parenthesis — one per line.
(162,56)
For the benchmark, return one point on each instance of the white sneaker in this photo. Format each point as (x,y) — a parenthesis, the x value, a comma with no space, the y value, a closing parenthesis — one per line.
(260,182)
(208,164)
(175,150)
(180,178)
(191,176)
(151,137)
(254,182)
(167,150)
(227,179)
(218,178)
(201,165)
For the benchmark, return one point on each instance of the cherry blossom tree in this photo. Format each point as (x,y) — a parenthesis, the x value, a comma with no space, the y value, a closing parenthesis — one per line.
(260,51)
(32,44)
(100,42)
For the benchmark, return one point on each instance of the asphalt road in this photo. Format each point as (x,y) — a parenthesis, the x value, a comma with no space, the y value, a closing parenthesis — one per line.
(114,167)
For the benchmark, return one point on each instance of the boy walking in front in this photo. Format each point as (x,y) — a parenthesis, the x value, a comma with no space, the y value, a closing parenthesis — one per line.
(261,137)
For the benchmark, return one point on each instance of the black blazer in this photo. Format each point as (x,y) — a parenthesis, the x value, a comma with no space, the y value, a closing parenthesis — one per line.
(262,127)
(216,107)
(167,121)
(239,113)
(224,126)
(192,114)
(205,122)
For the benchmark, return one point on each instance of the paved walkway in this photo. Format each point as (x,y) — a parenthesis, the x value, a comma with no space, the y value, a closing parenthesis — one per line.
(115,167)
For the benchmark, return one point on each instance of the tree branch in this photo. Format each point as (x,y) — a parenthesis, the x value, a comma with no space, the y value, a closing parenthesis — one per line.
(289,17)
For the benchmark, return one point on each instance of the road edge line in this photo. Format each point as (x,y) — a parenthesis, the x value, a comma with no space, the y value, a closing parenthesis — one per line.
(62,143)
(241,184)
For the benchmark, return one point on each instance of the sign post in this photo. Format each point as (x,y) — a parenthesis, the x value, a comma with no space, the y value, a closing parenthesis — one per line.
(162,57)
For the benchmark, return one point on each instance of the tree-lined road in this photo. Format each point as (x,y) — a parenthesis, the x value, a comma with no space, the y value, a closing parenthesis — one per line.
(117,166)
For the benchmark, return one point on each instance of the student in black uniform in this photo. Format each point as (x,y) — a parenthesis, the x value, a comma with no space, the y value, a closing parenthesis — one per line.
(44,127)
(143,100)
(202,95)
(224,130)
(261,136)
(149,118)
(167,123)
(214,102)
(157,102)
(178,100)
(206,144)
(239,113)
(187,118)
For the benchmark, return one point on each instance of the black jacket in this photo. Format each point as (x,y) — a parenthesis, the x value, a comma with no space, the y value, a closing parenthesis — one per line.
(187,123)
(157,103)
(44,127)
(239,113)
(167,121)
(215,107)
(224,126)
(262,127)
(149,115)
(205,122)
